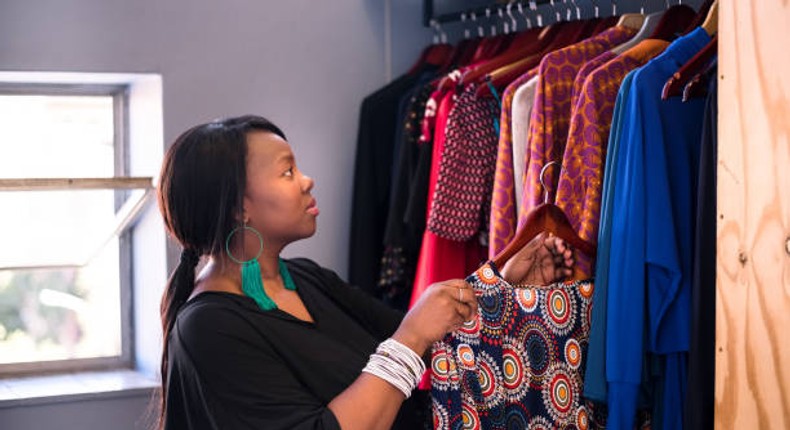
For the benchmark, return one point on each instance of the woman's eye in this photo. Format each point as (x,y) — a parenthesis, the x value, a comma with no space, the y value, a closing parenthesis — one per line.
(289,172)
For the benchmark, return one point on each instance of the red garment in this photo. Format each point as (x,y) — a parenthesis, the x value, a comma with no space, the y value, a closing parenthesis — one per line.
(441,259)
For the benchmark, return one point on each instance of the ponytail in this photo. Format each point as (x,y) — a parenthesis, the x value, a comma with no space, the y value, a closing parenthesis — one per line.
(179,288)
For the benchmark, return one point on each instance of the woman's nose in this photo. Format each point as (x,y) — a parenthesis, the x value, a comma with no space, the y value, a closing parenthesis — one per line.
(308,183)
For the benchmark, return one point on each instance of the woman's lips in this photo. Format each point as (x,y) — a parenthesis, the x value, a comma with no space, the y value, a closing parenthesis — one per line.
(312,208)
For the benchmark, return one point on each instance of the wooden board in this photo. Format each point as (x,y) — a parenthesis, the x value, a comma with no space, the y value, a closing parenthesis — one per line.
(753,253)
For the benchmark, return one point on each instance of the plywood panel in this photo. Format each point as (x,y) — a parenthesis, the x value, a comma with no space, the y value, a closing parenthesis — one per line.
(753,254)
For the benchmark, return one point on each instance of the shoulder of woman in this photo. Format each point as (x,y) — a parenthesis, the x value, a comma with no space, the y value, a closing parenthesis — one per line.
(216,320)
(320,277)
(211,305)
(302,263)
(309,268)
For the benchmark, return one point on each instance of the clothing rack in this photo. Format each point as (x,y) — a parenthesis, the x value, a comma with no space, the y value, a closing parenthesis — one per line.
(431,19)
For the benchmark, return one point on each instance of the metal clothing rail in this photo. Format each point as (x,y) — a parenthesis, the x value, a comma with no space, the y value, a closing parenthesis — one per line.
(429,18)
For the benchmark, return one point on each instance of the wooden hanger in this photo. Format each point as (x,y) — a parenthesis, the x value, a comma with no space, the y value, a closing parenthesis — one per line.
(674,22)
(546,36)
(455,57)
(514,55)
(434,55)
(698,85)
(439,55)
(703,15)
(711,24)
(605,24)
(696,64)
(631,20)
(651,21)
(503,76)
(545,218)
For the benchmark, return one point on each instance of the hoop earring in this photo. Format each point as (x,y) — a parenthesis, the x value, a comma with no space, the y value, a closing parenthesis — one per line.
(251,277)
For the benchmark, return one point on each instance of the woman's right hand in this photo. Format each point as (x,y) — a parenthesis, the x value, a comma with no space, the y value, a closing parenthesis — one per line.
(371,402)
(442,308)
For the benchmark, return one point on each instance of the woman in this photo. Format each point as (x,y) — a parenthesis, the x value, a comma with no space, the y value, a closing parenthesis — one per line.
(254,341)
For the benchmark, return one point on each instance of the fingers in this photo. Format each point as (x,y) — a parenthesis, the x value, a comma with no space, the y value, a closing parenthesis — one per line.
(559,245)
(462,295)
(468,304)
(563,264)
(559,248)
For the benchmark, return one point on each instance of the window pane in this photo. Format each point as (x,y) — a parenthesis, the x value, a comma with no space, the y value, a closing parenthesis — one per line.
(60,265)
(57,314)
(47,228)
(45,136)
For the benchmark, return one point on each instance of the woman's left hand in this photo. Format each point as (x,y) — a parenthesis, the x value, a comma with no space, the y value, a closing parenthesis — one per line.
(543,261)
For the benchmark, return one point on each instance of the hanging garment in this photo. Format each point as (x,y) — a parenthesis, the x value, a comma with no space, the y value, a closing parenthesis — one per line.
(502,222)
(441,259)
(402,237)
(519,363)
(504,211)
(522,111)
(652,234)
(458,210)
(463,188)
(372,178)
(586,70)
(595,377)
(405,108)
(504,219)
(595,374)
(699,409)
(551,112)
(581,177)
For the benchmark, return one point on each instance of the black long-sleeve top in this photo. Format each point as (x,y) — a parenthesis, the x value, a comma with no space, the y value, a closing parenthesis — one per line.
(234,366)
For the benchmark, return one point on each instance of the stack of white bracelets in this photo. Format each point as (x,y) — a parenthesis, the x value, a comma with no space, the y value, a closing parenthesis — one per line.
(397,364)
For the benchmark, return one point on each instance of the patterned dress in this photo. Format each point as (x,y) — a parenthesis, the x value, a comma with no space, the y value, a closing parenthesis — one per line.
(551,112)
(581,177)
(519,364)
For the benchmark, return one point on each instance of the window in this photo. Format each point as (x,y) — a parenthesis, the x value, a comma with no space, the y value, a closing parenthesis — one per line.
(67,208)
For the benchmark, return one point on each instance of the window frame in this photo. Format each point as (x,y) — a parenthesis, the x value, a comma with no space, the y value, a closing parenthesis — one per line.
(123,185)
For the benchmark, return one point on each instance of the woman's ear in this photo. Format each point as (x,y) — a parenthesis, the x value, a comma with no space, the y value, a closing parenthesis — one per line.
(245,217)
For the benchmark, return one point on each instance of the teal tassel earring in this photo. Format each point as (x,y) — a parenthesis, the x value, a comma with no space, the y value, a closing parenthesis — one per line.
(251,277)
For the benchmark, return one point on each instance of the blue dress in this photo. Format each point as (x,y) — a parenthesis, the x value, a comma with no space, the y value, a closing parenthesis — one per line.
(650,264)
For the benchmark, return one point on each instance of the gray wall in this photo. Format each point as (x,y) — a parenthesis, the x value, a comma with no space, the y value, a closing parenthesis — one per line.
(305,64)
(133,411)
